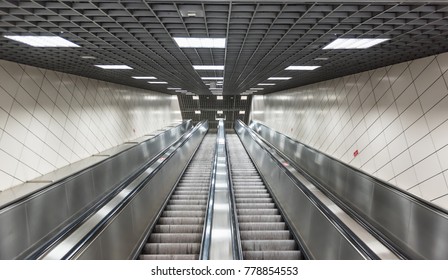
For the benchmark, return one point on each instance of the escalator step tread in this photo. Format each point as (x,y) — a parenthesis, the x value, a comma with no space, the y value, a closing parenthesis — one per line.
(172,248)
(178,228)
(169,257)
(263,226)
(268,245)
(272,255)
(265,235)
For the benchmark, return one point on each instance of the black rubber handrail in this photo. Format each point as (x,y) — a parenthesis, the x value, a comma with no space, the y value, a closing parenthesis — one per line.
(76,222)
(345,231)
(64,179)
(109,217)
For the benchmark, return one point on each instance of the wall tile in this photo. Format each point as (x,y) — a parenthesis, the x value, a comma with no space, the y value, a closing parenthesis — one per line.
(400,131)
(50,119)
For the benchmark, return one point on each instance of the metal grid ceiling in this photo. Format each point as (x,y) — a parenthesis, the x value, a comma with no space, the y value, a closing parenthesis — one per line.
(208,105)
(263,38)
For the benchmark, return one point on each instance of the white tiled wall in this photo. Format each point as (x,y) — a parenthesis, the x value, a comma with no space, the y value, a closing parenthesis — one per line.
(395,116)
(49,119)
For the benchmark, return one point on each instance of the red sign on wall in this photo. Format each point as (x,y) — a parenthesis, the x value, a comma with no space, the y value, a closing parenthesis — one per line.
(355,153)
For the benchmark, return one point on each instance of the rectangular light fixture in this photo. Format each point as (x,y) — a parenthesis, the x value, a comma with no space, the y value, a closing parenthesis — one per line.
(43,41)
(257,88)
(242,112)
(266,84)
(195,97)
(197,112)
(158,83)
(321,58)
(220,112)
(173,88)
(114,67)
(144,78)
(191,42)
(212,78)
(244,97)
(279,78)
(208,67)
(353,43)
(219,97)
(305,68)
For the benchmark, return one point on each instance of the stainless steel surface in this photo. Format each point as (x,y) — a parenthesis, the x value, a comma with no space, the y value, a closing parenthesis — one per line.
(221,232)
(416,228)
(37,217)
(178,232)
(128,227)
(320,237)
(264,235)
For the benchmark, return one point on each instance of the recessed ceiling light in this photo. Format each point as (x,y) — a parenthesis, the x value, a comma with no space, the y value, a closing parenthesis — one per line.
(195,97)
(197,112)
(220,112)
(266,84)
(242,112)
(243,97)
(305,68)
(321,58)
(174,88)
(43,41)
(144,78)
(189,42)
(353,43)
(88,57)
(110,67)
(279,78)
(256,88)
(208,67)
(212,78)
(219,97)
(158,83)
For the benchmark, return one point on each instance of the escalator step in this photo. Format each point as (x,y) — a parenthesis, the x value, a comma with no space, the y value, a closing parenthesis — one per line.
(258,212)
(269,245)
(175,238)
(265,235)
(169,257)
(180,221)
(258,219)
(172,248)
(178,228)
(186,207)
(179,214)
(272,255)
(263,226)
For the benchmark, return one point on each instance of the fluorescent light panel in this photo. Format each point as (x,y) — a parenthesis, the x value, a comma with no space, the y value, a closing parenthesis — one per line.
(208,67)
(242,112)
(220,112)
(114,67)
(279,78)
(256,88)
(266,84)
(243,97)
(212,78)
(174,88)
(219,97)
(197,112)
(353,43)
(158,83)
(195,97)
(43,41)
(191,42)
(144,78)
(305,68)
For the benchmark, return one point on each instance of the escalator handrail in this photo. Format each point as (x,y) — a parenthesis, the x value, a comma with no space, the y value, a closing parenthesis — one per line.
(96,230)
(71,176)
(237,247)
(342,228)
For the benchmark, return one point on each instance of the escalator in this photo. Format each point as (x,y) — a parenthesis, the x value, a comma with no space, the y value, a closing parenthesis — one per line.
(263,232)
(178,232)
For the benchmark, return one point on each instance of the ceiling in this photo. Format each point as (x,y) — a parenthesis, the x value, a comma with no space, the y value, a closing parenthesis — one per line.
(263,38)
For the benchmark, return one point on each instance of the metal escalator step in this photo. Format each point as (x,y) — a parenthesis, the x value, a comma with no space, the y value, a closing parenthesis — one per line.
(272,255)
(255,205)
(174,213)
(258,212)
(186,207)
(254,195)
(185,202)
(253,200)
(265,235)
(188,197)
(169,257)
(180,221)
(268,245)
(175,238)
(263,226)
(258,219)
(172,248)
(178,228)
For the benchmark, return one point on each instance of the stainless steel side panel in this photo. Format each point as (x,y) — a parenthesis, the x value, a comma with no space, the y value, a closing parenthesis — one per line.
(31,221)
(318,234)
(121,237)
(417,228)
